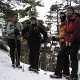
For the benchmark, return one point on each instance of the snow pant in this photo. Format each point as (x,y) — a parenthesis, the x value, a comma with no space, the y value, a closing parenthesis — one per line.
(34,55)
(62,65)
(11,43)
(73,56)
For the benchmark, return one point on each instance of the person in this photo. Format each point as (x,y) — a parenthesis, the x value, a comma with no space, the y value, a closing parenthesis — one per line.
(14,29)
(34,41)
(62,66)
(72,40)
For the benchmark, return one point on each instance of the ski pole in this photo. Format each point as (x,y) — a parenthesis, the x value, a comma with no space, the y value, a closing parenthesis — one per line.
(15,55)
(23,60)
(24,44)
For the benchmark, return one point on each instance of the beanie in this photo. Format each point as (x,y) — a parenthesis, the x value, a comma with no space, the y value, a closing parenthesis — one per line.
(33,18)
(70,7)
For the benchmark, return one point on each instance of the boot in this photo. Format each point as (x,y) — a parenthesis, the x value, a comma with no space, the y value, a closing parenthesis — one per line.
(18,65)
(55,76)
(13,65)
(73,78)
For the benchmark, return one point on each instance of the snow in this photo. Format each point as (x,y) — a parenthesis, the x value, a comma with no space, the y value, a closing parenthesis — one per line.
(9,73)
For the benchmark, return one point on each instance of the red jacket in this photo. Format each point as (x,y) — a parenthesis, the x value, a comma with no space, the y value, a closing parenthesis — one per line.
(73,29)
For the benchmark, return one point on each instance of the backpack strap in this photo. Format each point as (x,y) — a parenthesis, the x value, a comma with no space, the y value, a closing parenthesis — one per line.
(72,19)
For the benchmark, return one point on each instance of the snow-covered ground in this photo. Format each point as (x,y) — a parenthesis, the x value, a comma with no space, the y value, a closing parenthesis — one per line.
(9,73)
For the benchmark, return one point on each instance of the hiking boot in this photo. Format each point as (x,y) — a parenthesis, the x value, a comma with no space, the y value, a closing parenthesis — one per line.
(31,69)
(19,66)
(55,76)
(74,78)
(34,70)
(66,76)
(13,65)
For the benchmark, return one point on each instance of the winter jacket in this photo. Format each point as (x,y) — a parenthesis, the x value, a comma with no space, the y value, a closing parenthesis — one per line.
(34,33)
(62,31)
(73,29)
(10,29)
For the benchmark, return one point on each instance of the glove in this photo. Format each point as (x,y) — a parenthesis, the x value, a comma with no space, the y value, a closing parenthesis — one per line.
(69,43)
(66,43)
(54,38)
(21,39)
(42,41)
(16,31)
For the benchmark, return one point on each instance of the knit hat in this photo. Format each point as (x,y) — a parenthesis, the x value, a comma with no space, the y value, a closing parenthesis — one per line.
(70,7)
(33,18)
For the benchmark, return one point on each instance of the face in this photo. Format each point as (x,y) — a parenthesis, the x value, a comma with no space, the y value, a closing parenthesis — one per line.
(69,11)
(15,18)
(61,15)
(33,21)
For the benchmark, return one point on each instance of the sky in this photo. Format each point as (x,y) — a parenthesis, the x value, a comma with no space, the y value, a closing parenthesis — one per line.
(43,10)
(47,4)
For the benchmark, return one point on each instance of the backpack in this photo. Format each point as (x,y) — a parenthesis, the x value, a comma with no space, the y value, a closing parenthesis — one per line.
(12,25)
(34,30)
(74,17)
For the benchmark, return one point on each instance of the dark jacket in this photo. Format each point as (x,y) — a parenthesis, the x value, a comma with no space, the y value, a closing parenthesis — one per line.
(35,32)
(73,29)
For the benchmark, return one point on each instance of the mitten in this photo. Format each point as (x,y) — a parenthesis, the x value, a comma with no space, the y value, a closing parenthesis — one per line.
(16,31)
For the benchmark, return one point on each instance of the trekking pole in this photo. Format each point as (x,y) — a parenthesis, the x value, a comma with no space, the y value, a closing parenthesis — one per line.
(23,60)
(15,56)
(24,44)
(45,60)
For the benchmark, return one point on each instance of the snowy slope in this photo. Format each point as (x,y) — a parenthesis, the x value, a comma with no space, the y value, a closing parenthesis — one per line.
(8,73)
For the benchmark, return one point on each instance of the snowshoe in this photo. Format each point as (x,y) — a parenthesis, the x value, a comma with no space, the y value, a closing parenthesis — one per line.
(55,76)
(66,76)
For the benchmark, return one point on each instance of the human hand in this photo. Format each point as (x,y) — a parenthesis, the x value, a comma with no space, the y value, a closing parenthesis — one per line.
(42,41)
(21,39)
(67,43)
(16,31)
(54,38)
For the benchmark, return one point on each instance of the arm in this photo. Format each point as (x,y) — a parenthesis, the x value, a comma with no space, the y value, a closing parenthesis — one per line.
(21,27)
(24,30)
(76,33)
(9,31)
(43,32)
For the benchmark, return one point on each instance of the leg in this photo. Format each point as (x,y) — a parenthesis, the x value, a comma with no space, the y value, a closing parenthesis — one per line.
(59,65)
(36,56)
(18,52)
(74,60)
(65,62)
(31,55)
(11,43)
